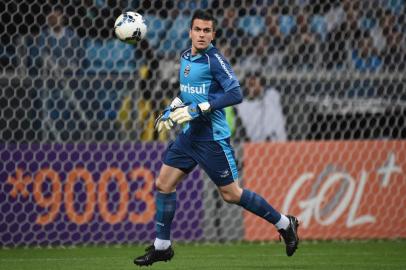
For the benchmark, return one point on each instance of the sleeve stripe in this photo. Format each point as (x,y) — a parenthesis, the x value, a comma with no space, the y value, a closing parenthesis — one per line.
(223,65)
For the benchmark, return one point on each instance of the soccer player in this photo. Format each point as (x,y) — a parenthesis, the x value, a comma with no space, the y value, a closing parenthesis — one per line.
(207,85)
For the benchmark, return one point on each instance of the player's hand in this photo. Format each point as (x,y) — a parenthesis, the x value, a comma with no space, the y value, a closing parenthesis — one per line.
(164,121)
(186,113)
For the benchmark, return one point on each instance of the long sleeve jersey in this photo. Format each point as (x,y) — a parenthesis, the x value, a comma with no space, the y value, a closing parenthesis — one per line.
(208,77)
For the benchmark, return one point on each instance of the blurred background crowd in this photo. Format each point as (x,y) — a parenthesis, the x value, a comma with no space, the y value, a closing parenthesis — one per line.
(315,69)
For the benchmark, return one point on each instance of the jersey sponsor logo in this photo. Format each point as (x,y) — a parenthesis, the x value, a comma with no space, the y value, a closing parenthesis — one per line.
(187,70)
(223,65)
(193,89)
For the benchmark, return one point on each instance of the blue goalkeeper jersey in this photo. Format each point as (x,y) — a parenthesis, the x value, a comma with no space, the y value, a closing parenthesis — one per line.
(203,78)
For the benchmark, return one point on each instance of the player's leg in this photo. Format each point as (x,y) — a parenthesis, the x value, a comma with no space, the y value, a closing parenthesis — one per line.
(251,201)
(176,166)
(165,201)
(219,163)
(256,204)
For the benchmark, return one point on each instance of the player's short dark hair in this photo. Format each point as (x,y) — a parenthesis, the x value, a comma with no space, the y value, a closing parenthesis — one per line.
(205,16)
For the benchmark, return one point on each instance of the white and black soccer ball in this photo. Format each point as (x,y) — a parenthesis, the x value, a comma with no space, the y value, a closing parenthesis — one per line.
(130,27)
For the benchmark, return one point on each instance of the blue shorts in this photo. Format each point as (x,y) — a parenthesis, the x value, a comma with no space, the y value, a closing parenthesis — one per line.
(216,158)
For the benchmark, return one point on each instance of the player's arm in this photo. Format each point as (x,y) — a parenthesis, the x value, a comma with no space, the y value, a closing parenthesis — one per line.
(225,76)
(186,113)
(229,98)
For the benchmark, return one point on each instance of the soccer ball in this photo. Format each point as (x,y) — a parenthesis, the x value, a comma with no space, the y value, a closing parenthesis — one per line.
(130,27)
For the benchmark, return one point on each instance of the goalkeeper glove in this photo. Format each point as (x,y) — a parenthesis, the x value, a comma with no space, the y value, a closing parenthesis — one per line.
(164,121)
(186,113)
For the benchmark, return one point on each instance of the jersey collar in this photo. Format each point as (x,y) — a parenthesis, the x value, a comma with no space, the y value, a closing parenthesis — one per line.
(197,56)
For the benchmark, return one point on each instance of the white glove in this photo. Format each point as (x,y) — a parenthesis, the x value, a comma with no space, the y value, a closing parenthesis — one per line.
(163,121)
(186,113)
(164,124)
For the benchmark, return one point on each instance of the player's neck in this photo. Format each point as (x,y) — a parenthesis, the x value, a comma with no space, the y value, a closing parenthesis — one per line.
(196,51)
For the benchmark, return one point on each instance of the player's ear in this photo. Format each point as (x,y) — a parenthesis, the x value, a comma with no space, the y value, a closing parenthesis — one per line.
(190,33)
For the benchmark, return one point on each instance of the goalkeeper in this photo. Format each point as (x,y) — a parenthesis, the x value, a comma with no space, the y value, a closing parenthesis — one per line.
(207,86)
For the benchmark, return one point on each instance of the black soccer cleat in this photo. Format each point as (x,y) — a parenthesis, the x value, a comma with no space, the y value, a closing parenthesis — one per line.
(290,235)
(152,255)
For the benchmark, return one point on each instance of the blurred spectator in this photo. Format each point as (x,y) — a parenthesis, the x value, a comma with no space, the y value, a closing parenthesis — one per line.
(350,25)
(364,56)
(392,29)
(56,55)
(372,22)
(335,47)
(303,53)
(292,45)
(334,51)
(253,23)
(157,30)
(84,18)
(146,60)
(258,57)
(153,100)
(286,21)
(229,22)
(278,39)
(109,56)
(176,38)
(56,51)
(228,26)
(169,67)
(261,111)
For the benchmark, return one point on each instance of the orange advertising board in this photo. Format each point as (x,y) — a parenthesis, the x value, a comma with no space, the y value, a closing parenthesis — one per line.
(337,189)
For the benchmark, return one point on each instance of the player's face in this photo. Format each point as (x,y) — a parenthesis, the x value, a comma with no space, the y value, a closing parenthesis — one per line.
(201,34)
(254,86)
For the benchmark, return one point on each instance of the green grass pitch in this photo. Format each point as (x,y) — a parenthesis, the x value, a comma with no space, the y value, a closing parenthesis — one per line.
(310,255)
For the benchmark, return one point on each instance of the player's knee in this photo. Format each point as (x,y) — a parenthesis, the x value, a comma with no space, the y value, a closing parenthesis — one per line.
(163,186)
(230,197)
(231,193)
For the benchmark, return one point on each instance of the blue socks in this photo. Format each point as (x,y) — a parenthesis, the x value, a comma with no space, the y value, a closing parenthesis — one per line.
(166,207)
(258,206)
(165,211)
